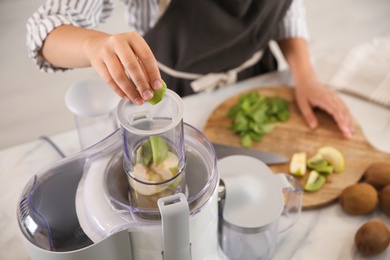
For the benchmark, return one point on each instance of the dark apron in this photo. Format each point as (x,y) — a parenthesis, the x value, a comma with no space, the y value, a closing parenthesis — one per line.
(204,36)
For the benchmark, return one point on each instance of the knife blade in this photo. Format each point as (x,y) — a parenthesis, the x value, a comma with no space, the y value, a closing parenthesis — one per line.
(268,158)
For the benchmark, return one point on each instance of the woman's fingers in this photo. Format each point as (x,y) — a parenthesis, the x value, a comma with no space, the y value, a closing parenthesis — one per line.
(341,115)
(147,59)
(120,78)
(132,66)
(113,74)
(316,95)
(127,65)
(102,70)
(307,112)
(139,62)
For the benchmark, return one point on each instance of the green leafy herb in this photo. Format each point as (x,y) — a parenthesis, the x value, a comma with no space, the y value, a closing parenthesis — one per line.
(254,115)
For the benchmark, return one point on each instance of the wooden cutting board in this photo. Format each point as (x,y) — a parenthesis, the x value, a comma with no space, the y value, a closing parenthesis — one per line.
(295,136)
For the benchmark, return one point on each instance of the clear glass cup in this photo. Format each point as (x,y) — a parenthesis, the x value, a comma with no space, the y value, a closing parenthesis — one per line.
(154,152)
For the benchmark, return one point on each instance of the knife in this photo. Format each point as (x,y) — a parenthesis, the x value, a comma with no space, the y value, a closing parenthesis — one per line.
(267,157)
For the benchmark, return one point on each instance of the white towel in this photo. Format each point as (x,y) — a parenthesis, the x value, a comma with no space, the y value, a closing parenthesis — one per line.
(365,71)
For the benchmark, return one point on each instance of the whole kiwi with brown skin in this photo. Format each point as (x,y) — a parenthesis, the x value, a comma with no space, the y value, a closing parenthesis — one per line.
(372,238)
(378,174)
(359,199)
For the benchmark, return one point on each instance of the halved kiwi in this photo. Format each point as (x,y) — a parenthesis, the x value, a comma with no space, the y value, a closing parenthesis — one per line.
(314,182)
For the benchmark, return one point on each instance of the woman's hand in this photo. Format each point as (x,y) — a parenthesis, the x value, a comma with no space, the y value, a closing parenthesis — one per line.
(310,94)
(122,56)
(124,61)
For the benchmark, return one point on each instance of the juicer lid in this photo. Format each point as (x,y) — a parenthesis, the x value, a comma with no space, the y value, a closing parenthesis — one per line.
(170,107)
(253,194)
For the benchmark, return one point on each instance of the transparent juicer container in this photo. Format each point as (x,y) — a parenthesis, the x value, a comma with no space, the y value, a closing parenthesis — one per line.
(154,151)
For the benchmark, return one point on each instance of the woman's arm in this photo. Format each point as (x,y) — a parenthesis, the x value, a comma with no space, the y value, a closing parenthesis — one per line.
(60,36)
(112,56)
(309,92)
(55,13)
(66,46)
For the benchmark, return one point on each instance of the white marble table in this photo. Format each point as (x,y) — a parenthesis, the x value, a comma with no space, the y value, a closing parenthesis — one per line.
(326,233)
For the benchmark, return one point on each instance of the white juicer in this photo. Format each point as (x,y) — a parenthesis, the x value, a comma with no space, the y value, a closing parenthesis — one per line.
(123,199)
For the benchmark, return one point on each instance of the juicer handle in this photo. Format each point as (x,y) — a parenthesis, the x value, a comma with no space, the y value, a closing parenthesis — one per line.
(175,220)
(293,194)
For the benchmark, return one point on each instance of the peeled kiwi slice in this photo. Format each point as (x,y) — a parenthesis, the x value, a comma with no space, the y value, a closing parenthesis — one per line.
(316,161)
(158,94)
(324,170)
(314,182)
(320,165)
(159,148)
(144,153)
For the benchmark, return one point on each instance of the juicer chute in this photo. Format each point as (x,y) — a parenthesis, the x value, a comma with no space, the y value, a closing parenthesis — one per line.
(154,151)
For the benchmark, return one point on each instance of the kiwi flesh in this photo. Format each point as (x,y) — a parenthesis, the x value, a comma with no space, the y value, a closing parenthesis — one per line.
(158,94)
(314,182)
(159,148)
(144,153)
(316,161)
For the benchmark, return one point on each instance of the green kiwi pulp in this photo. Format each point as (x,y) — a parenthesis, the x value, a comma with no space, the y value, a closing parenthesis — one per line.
(158,94)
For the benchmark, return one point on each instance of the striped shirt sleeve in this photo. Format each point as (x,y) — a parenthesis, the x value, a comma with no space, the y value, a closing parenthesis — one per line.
(142,15)
(294,25)
(54,13)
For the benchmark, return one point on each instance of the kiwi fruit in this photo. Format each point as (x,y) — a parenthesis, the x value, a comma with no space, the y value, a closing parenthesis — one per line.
(144,153)
(378,174)
(384,200)
(314,182)
(158,94)
(159,148)
(359,199)
(372,238)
